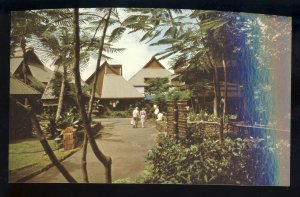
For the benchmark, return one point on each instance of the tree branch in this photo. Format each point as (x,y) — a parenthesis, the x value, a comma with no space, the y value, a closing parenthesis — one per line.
(44,142)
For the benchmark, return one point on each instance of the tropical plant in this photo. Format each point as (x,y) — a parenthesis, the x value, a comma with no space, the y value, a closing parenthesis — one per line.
(210,161)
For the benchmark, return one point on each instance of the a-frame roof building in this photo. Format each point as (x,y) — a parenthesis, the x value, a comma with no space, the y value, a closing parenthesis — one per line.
(112,85)
(152,69)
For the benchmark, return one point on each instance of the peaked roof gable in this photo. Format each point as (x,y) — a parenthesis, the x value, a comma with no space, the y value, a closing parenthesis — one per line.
(17,87)
(149,71)
(48,92)
(35,66)
(153,60)
(116,87)
(105,65)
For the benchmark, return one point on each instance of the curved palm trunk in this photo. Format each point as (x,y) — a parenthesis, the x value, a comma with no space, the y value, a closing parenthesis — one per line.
(105,160)
(92,98)
(24,64)
(45,144)
(61,95)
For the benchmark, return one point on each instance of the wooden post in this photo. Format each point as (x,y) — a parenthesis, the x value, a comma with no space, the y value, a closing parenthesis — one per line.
(182,118)
(170,118)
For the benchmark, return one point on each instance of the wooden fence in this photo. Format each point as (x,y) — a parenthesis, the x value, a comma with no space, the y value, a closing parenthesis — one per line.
(177,118)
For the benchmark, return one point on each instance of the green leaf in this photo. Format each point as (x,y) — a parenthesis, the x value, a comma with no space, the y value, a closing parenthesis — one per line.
(116,34)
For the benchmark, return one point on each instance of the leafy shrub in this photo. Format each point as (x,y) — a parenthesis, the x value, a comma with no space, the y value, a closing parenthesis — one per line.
(71,118)
(235,161)
(202,116)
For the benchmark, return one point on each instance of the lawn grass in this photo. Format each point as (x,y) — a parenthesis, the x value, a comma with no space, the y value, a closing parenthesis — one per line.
(27,156)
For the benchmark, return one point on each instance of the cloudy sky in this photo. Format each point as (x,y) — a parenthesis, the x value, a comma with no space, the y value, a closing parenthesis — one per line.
(136,55)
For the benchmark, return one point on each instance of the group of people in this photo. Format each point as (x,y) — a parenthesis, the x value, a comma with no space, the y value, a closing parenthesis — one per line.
(142,115)
(135,117)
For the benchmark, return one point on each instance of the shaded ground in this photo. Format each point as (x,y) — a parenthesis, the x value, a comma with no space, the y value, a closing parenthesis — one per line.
(127,147)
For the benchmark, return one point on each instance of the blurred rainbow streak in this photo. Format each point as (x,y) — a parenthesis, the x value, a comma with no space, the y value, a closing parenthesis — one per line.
(270,85)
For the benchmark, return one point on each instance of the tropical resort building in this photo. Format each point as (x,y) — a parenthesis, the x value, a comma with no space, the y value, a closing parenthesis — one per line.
(152,69)
(19,124)
(114,92)
(37,74)
(201,85)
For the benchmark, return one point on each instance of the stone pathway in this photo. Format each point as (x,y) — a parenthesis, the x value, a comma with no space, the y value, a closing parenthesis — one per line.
(126,145)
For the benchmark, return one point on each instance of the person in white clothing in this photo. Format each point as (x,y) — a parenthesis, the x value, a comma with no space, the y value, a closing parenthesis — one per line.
(135,116)
(159,117)
(156,111)
(143,117)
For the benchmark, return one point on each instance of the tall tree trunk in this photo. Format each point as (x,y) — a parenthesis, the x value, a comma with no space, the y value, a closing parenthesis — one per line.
(61,95)
(217,95)
(224,104)
(105,160)
(192,103)
(45,144)
(92,98)
(225,89)
(85,176)
(24,64)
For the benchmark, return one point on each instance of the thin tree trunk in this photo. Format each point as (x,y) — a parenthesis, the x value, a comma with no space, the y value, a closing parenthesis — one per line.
(85,176)
(105,160)
(61,95)
(90,109)
(92,98)
(192,103)
(224,104)
(217,96)
(45,144)
(225,89)
(24,64)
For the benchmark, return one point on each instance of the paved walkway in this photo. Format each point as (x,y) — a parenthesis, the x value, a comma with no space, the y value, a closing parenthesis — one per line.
(126,145)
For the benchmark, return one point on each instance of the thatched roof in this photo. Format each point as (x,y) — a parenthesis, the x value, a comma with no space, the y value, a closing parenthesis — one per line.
(149,72)
(116,87)
(113,86)
(36,67)
(48,93)
(43,74)
(17,87)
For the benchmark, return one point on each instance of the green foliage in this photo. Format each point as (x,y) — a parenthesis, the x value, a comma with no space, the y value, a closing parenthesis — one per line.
(71,118)
(235,161)
(177,94)
(157,86)
(202,116)
(160,88)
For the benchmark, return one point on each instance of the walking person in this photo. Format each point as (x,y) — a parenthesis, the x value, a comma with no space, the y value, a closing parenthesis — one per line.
(135,117)
(156,111)
(143,116)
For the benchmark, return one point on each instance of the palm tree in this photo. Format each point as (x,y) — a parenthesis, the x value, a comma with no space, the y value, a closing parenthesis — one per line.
(105,160)
(25,24)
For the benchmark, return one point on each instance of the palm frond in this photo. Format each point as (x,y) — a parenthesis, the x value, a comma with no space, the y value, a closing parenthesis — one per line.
(116,34)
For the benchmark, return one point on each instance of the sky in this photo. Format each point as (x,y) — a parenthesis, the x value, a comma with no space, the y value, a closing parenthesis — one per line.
(136,55)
